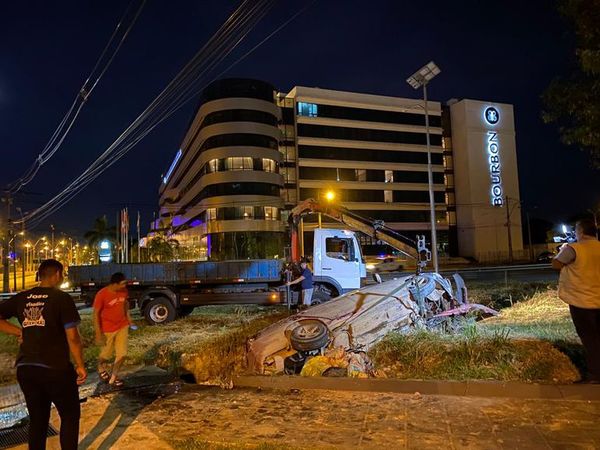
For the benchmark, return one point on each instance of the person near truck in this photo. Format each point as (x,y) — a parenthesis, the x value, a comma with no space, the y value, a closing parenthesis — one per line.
(48,333)
(579,286)
(111,323)
(306,283)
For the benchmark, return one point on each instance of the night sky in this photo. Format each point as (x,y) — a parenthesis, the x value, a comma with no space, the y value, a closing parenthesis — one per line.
(507,52)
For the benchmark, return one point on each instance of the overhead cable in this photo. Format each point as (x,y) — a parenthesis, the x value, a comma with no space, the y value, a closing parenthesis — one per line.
(102,64)
(219,46)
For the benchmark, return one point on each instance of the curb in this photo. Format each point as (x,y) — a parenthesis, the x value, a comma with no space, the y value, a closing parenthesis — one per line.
(508,389)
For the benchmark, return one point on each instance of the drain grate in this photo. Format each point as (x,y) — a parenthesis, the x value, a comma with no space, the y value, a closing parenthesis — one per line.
(18,435)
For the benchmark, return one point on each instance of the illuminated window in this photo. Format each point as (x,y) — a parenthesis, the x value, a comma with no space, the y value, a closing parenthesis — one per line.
(388,196)
(389,176)
(307,109)
(247,212)
(213,166)
(361,175)
(239,163)
(271,213)
(269,165)
(211,214)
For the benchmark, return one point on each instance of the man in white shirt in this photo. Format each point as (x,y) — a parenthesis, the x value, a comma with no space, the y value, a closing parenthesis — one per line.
(579,286)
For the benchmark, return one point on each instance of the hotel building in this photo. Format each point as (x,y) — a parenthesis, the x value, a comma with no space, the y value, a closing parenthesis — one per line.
(251,153)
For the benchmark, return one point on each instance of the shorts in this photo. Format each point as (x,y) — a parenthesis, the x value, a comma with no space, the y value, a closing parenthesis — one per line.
(116,342)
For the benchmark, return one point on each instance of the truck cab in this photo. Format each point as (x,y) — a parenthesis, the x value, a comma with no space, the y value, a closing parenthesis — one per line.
(337,259)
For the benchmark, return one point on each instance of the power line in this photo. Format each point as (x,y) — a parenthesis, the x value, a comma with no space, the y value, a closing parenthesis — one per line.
(64,127)
(227,38)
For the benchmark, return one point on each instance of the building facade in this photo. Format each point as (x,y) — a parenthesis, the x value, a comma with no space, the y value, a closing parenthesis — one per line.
(252,153)
(222,191)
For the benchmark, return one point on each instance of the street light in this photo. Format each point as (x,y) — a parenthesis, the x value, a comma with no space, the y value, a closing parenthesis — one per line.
(417,80)
(330,196)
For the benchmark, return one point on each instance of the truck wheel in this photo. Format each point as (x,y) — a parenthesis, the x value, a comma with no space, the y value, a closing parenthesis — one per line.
(184,311)
(310,334)
(159,310)
(321,294)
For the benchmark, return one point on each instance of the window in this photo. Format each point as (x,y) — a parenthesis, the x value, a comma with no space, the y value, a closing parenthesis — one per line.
(362,134)
(212,166)
(248,212)
(239,163)
(239,115)
(271,213)
(211,214)
(359,154)
(339,248)
(388,196)
(268,165)
(374,115)
(361,175)
(389,176)
(307,109)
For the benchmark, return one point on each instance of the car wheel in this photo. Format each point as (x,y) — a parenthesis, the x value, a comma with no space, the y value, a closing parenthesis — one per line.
(159,310)
(310,334)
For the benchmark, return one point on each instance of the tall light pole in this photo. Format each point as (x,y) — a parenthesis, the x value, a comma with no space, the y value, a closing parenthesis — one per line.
(417,80)
(24,248)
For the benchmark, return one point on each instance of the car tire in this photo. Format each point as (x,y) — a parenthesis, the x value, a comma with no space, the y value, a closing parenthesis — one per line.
(159,311)
(309,334)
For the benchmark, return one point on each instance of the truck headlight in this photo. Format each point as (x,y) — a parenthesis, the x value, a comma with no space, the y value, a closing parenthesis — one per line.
(65,285)
(370,266)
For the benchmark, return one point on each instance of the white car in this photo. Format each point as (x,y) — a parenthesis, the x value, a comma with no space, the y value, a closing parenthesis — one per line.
(388,264)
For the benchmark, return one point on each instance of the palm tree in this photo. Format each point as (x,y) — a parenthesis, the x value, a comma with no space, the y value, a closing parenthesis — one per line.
(101,231)
(162,248)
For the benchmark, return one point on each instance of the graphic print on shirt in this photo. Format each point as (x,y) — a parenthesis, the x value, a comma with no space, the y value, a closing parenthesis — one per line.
(34,314)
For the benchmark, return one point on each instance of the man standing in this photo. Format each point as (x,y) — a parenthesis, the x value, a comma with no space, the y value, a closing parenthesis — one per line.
(49,320)
(579,286)
(306,280)
(111,322)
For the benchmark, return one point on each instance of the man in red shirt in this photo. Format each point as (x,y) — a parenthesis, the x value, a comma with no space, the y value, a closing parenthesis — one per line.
(111,322)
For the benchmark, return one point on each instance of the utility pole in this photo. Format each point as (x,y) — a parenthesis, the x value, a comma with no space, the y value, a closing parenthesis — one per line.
(24,260)
(510,250)
(6,246)
(529,237)
(52,242)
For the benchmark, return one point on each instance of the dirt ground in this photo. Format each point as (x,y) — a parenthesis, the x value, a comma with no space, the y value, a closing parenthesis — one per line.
(196,417)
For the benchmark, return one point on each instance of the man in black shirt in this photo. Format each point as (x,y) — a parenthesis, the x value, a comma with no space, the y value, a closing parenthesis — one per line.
(48,332)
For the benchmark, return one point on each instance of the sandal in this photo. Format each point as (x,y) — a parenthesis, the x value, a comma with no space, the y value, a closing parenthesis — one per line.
(117,383)
(104,376)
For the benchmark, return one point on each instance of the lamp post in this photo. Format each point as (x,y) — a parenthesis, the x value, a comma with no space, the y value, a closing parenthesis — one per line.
(23,239)
(417,80)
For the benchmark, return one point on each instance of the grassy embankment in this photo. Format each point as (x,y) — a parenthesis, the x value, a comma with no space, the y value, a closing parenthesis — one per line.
(533,340)
(215,335)
(528,341)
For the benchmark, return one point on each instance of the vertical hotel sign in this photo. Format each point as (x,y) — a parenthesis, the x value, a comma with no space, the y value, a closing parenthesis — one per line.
(492,117)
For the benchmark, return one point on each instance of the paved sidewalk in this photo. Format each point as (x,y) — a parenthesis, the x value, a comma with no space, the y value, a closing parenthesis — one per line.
(243,418)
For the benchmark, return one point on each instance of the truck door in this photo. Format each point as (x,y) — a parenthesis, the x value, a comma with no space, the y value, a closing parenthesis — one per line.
(336,256)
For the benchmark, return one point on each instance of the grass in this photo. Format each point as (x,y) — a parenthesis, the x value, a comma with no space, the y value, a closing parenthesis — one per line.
(214,335)
(534,340)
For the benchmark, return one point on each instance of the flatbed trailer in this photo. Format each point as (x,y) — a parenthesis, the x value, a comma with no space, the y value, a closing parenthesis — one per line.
(164,291)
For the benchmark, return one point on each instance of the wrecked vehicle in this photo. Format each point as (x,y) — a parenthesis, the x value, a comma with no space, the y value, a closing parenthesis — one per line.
(357,320)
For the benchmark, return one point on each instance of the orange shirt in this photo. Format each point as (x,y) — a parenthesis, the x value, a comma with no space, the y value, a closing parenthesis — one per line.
(112,307)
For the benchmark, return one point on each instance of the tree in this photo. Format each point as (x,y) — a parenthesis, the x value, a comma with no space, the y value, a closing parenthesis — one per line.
(101,231)
(162,248)
(573,102)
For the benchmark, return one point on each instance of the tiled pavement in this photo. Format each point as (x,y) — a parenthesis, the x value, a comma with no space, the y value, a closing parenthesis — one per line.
(335,419)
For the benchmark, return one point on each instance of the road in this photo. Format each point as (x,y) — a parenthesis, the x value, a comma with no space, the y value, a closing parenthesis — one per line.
(542,273)
(29,280)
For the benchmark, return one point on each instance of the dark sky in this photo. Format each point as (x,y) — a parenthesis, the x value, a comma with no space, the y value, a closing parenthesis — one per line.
(507,52)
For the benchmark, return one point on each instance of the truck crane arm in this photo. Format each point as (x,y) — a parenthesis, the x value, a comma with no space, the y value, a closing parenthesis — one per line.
(373,228)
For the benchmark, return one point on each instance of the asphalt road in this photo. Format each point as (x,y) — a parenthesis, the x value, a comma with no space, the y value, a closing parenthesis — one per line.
(531,273)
